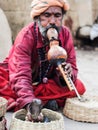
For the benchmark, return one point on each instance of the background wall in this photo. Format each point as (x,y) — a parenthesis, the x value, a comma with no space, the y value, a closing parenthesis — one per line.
(82,12)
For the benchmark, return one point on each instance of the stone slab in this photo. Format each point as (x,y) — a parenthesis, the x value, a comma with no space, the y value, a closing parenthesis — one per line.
(5,36)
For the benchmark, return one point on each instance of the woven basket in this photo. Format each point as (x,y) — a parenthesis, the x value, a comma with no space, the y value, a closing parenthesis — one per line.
(2,124)
(3,106)
(86,111)
(56,123)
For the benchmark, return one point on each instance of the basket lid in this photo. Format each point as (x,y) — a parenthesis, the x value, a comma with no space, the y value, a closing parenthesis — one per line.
(87,111)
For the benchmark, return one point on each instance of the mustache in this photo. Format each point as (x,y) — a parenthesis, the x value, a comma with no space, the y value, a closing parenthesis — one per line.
(52,26)
(44,32)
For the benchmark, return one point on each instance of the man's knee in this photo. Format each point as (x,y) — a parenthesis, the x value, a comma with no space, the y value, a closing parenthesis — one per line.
(80,87)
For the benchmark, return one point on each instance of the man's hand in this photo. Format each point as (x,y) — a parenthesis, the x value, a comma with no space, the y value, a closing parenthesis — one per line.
(34,110)
(67,69)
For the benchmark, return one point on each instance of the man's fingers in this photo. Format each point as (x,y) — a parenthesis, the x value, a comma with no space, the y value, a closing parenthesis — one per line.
(29,117)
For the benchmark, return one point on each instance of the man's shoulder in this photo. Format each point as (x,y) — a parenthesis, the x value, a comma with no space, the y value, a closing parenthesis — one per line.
(25,33)
(65,28)
(27,28)
(65,31)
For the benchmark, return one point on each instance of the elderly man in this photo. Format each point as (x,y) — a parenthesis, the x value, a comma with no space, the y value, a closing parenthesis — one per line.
(31,75)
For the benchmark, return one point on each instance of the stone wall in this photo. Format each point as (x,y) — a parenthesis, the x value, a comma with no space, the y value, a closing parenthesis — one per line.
(82,12)
(17,12)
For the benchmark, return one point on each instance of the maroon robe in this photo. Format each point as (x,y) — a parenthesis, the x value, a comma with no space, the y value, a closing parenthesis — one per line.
(16,71)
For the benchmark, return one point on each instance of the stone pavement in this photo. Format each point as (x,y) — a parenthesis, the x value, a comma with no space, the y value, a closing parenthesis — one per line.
(87,62)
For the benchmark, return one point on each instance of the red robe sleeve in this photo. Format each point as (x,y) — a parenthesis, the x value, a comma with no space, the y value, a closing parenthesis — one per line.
(20,68)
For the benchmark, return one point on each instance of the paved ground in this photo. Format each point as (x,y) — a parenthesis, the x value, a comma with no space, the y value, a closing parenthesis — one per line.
(88,69)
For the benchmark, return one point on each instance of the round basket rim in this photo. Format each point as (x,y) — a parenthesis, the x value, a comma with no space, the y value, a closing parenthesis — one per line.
(3,106)
(2,124)
(43,111)
(18,121)
(4,101)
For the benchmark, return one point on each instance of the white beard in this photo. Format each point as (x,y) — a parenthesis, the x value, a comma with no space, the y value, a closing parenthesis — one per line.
(41,29)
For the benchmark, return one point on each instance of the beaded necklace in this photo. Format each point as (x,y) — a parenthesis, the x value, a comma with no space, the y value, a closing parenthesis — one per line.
(44,64)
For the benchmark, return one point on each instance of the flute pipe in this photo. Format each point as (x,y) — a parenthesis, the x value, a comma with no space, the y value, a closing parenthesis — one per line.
(78,95)
(68,81)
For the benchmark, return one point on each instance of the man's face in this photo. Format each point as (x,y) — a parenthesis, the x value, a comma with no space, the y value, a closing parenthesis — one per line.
(52,16)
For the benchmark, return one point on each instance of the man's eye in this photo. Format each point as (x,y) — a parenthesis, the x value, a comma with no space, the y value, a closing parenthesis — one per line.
(58,15)
(47,15)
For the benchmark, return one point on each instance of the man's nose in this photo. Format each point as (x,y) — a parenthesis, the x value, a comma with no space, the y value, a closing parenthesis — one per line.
(52,20)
